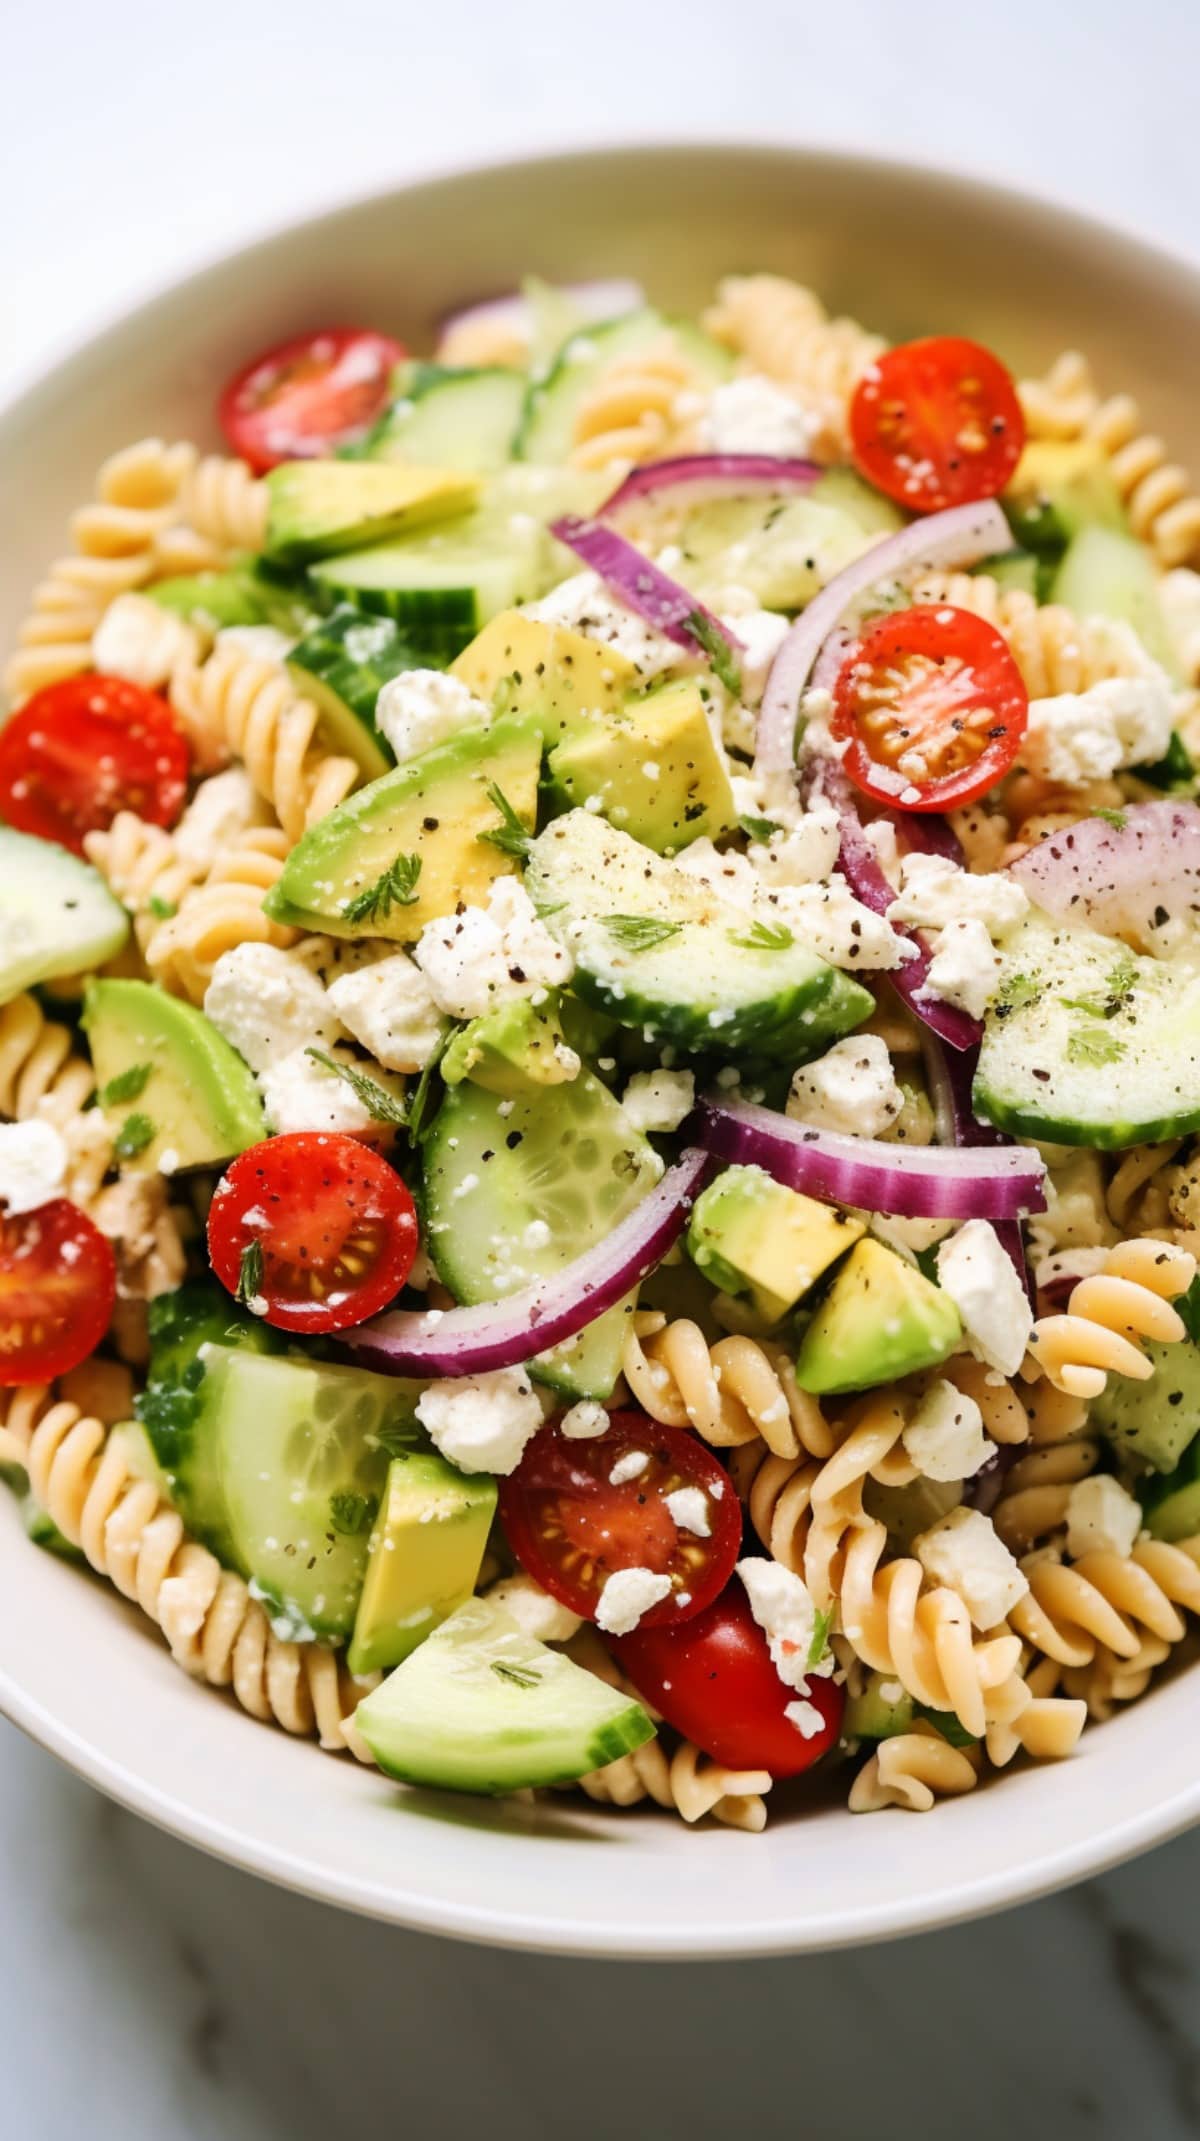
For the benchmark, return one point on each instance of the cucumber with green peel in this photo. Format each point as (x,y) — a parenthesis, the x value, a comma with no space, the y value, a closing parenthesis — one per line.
(442,586)
(447,417)
(547,428)
(1172,1502)
(342,665)
(873,1714)
(1108,573)
(481,1707)
(184,1326)
(658,951)
(516,1187)
(57,915)
(1014,571)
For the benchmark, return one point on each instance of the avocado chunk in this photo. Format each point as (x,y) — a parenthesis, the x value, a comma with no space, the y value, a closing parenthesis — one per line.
(567,683)
(481,1707)
(1172,1502)
(342,665)
(170,1085)
(316,508)
(1154,1421)
(412,845)
(752,1236)
(512,1050)
(57,915)
(880,1319)
(423,1556)
(249,591)
(1058,487)
(656,769)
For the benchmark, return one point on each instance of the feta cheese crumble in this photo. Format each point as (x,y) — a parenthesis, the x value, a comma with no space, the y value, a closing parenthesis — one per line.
(753,415)
(141,640)
(301,1094)
(583,1421)
(33,1165)
(584,604)
(1089,735)
(389,1008)
(964,1552)
(964,969)
(851,1088)
(935,893)
(978,1274)
(423,707)
(688,1507)
(268,1004)
(630,1466)
(805,854)
(839,927)
(761,634)
(783,1607)
(484,956)
(481,1423)
(223,807)
(534,1611)
(659,1100)
(944,1436)
(1102,1518)
(628,1594)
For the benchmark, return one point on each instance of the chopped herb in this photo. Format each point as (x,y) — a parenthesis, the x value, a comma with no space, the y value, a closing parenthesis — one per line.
(640,932)
(521,1676)
(1117,991)
(510,836)
(250,1273)
(381,1106)
(161,909)
(396,888)
(765,937)
(544,908)
(1016,991)
(822,1623)
(1094,1046)
(133,1136)
(945,1722)
(714,641)
(1116,818)
(127,1085)
(419,1104)
(758,828)
(351,1513)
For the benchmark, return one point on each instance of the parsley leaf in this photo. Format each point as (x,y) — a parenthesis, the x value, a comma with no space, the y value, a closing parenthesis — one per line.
(162,909)
(250,1273)
(765,937)
(758,828)
(1116,818)
(714,641)
(381,1106)
(510,836)
(135,1133)
(640,932)
(1118,989)
(1094,1046)
(1017,991)
(351,1513)
(127,1085)
(822,1623)
(396,888)
(521,1676)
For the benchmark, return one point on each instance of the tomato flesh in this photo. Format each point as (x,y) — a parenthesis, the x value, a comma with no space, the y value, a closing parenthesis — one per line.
(309,396)
(83,749)
(572,1526)
(315,1231)
(713,1679)
(932,708)
(937,423)
(58,1282)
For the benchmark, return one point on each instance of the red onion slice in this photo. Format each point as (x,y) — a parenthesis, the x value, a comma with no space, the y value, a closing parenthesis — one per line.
(592,301)
(1125,878)
(960,536)
(950,1080)
(907,1182)
(718,475)
(501,1334)
(651,593)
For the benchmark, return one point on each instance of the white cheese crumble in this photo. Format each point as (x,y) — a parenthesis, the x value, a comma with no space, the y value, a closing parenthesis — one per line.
(628,1594)
(1089,735)
(389,1008)
(423,707)
(964,969)
(688,1508)
(583,603)
(774,796)
(583,1421)
(935,893)
(805,1716)
(783,1607)
(268,1004)
(761,634)
(482,957)
(141,640)
(659,1100)
(839,927)
(301,1094)
(630,1466)
(944,1436)
(258,642)
(1102,1518)
(223,807)
(977,1273)
(534,1611)
(753,415)
(851,1088)
(481,1423)
(33,1165)
(805,854)
(965,1552)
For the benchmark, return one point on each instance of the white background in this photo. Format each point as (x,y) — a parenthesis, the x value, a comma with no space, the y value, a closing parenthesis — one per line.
(143,1992)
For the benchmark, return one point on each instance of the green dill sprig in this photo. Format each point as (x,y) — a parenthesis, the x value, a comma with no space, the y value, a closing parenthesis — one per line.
(1094,1046)
(822,1623)
(250,1274)
(640,932)
(714,641)
(510,836)
(765,936)
(521,1676)
(396,888)
(381,1106)
(419,1105)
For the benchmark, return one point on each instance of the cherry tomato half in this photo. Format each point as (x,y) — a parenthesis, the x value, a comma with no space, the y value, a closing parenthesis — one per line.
(572,1525)
(937,423)
(83,749)
(933,707)
(713,1679)
(58,1281)
(317,1226)
(309,396)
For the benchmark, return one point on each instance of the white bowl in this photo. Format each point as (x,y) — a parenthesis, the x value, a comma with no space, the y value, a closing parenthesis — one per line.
(909,251)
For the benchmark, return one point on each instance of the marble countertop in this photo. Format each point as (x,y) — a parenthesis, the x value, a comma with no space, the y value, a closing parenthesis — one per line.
(143,1990)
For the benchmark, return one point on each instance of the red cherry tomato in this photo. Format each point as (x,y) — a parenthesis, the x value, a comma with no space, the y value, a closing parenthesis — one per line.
(712,1678)
(80,751)
(317,1226)
(933,707)
(309,396)
(572,1526)
(937,423)
(58,1281)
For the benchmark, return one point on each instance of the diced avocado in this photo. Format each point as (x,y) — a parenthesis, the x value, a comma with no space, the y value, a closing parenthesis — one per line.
(316,508)
(1172,1503)
(251,590)
(516,1048)
(880,1319)
(481,1707)
(412,845)
(1058,487)
(169,1083)
(567,683)
(57,915)
(751,1235)
(656,768)
(448,417)
(1107,573)
(423,1556)
(908,1511)
(1155,1421)
(342,665)
(874,1715)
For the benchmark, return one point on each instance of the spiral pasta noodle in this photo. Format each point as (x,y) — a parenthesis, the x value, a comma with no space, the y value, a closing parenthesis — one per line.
(247,704)
(1058,405)
(1106,1315)
(142,866)
(1106,1603)
(223,911)
(731,1392)
(1054,650)
(40,1073)
(688,1782)
(1037,1720)
(777,1494)
(1163,509)
(83,1476)
(912,1770)
(782,329)
(642,408)
(222,499)
(1036,1491)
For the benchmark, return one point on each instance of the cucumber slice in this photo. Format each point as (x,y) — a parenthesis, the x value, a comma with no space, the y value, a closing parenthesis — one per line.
(57,915)
(480,1707)
(1155,1421)
(184,1327)
(1109,574)
(342,665)
(705,980)
(499,1172)
(547,427)
(443,585)
(1172,1505)
(1089,1044)
(784,552)
(448,418)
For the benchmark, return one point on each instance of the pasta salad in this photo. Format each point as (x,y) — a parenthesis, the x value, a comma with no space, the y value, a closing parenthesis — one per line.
(600,1052)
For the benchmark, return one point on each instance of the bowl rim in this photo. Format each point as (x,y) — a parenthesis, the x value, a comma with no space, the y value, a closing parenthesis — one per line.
(1097,1849)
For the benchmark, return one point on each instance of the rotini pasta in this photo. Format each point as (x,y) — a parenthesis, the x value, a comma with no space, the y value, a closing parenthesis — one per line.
(642,408)
(247,704)
(781,329)
(1163,510)
(912,1769)
(224,910)
(224,501)
(1107,1314)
